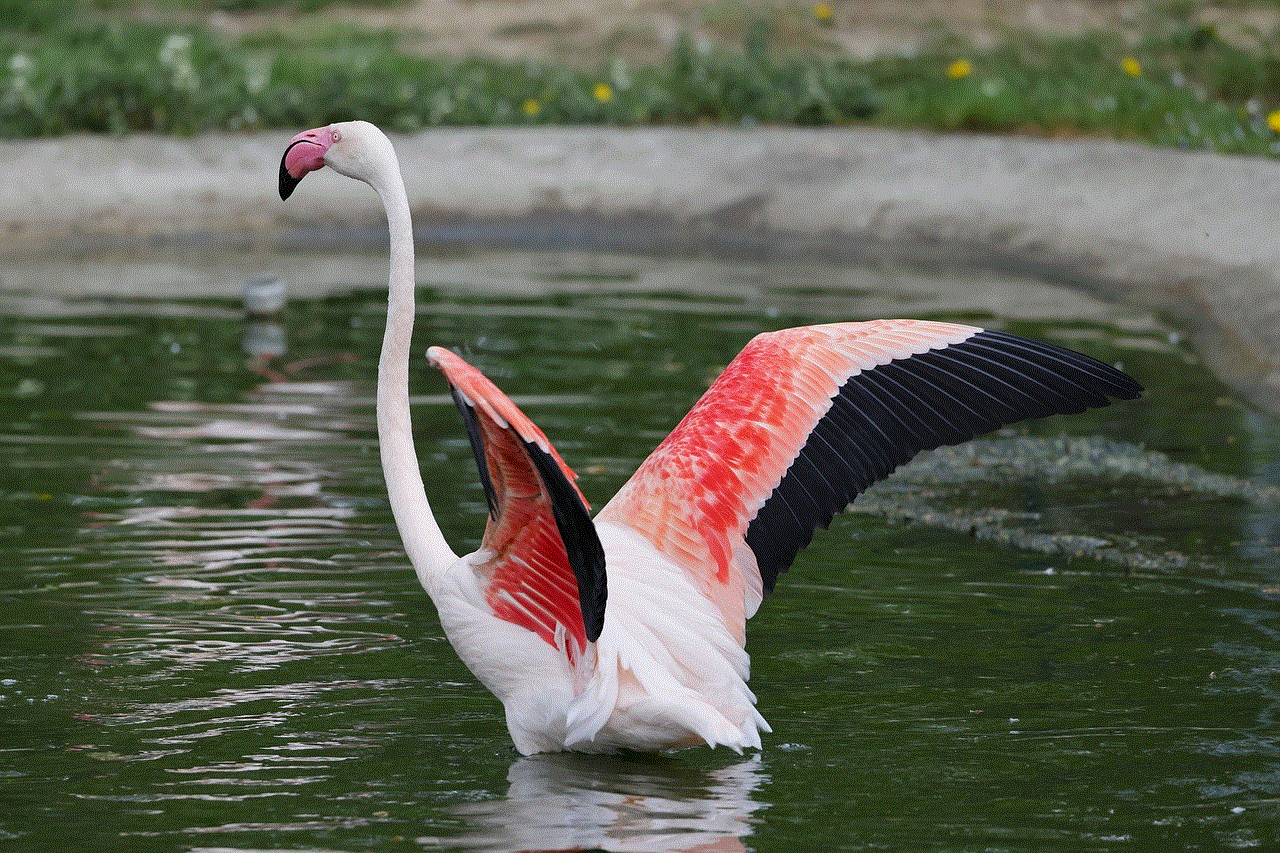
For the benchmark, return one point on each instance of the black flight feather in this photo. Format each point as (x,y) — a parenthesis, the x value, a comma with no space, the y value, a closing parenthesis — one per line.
(477,448)
(573,521)
(882,417)
(578,532)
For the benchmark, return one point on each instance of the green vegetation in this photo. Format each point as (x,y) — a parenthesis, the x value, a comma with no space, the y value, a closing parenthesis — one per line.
(1181,85)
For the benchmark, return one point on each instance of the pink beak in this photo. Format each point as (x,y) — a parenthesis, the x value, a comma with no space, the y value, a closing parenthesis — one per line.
(305,153)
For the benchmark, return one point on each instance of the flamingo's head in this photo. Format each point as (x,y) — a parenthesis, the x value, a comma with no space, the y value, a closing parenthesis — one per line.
(356,149)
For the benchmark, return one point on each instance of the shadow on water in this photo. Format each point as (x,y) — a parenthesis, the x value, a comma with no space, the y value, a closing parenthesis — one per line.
(1060,637)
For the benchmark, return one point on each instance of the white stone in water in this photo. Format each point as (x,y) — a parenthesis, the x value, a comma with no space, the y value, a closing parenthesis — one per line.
(264,295)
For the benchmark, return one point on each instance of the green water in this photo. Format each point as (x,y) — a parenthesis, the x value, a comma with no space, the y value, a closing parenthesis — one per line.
(210,640)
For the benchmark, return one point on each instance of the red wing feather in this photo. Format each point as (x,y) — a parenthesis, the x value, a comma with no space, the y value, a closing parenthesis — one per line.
(540,548)
(804,419)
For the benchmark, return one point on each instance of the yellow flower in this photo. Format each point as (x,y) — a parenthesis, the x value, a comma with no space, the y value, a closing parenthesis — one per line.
(1131,66)
(823,12)
(1273,121)
(603,93)
(960,69)
(531,108)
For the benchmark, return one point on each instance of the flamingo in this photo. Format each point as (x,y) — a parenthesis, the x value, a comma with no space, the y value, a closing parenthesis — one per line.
(627,630)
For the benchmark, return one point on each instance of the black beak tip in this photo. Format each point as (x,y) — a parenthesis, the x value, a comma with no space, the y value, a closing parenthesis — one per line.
(287,181)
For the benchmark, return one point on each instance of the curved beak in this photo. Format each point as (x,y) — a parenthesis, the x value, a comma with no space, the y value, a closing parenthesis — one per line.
(305,153)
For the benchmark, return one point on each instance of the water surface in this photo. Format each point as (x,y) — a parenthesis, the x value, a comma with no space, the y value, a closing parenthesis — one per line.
(210,639)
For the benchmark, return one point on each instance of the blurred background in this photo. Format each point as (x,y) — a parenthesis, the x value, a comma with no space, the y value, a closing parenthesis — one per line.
(1184,74)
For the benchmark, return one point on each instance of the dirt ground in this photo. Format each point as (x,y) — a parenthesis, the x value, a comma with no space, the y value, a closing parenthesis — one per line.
(585,32)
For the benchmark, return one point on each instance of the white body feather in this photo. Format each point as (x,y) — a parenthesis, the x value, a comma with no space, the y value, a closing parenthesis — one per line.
(665,673)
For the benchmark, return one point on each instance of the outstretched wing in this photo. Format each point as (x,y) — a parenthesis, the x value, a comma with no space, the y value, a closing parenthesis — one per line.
(541,558)
(805,419)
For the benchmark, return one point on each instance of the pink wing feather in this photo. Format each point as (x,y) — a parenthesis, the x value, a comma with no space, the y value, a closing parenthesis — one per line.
(805,418)
(695,494)
(797,425)
(529,565)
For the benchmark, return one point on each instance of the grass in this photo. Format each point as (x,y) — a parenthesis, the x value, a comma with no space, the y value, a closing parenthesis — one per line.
(1179,85)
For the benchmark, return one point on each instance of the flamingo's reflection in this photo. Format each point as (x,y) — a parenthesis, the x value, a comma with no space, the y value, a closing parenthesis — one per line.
(625,803)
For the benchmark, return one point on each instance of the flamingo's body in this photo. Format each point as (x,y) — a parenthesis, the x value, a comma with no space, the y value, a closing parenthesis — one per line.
(628,631)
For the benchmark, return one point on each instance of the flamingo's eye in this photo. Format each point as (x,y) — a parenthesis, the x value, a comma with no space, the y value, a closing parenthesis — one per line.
(336,135)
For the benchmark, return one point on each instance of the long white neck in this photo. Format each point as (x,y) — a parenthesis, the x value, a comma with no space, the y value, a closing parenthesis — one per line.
(423,541)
